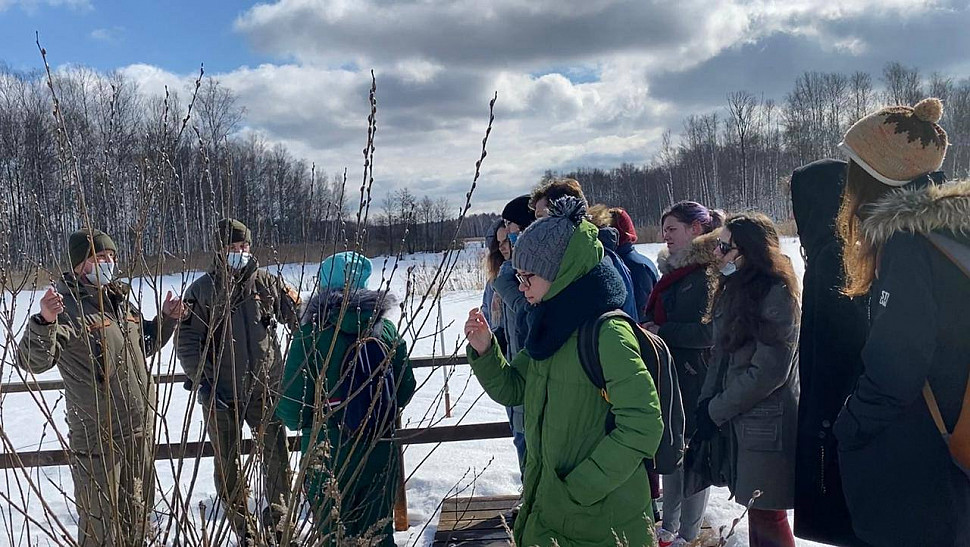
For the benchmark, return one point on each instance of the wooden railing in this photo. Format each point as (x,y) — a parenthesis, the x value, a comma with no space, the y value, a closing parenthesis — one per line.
(426,435)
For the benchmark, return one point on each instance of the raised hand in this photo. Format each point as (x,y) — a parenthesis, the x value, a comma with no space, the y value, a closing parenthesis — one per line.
(477,331)
(51,305)
(174,307)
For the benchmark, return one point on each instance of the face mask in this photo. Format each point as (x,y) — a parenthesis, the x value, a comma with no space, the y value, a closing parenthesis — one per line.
(102,273)
(237,261)
(512,238)
(729,269)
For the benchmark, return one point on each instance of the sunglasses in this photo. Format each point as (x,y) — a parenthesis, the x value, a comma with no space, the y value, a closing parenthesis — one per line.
(725,247)
(524,279)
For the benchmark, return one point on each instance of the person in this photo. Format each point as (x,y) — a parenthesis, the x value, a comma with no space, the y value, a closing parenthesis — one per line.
(901,485)
(229,349)
(675,311)
(643,272)
(609,236)
(498,251)
(752,386)
(363,464)
(833,330)
(101,343)
(517,217)
(582,484)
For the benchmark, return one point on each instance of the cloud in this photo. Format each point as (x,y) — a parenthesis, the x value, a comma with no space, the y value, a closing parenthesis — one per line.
(31,6)
(580,83)
(113,35)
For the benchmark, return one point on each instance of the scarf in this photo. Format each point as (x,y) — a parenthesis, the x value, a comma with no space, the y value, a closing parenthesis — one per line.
(655,304)
(552,322)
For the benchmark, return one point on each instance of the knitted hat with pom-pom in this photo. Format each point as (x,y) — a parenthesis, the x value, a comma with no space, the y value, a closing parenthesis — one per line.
(541,246)
(899,143)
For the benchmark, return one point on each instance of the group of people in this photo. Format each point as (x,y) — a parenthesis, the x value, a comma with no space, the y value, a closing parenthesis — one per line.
(836,396)
(226,340)
(843,397)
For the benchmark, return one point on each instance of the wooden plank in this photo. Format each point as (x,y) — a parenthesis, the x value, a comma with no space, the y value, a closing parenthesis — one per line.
(475,521)
(456,433)
(480,504)
(179,378)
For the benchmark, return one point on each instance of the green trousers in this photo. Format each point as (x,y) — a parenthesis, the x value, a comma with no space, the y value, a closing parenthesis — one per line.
(114,492)
(224,428)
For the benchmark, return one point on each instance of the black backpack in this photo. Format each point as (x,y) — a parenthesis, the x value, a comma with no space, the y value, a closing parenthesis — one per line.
(656,356)
(370,401)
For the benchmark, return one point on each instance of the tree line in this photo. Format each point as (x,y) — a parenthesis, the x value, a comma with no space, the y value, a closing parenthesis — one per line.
(741,156)
(157,168)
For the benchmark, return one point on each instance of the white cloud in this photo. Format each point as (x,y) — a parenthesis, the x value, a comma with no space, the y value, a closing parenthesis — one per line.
(577,80)
(31,6)
(113,35)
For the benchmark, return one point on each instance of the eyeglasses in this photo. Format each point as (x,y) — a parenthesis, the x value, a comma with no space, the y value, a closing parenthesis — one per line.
(725,247)
(524,279)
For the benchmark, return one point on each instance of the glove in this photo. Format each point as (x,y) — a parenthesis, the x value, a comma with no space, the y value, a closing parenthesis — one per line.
(706,428)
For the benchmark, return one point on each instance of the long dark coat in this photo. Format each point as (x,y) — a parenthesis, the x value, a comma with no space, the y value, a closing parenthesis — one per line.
(833,332)
(900,483)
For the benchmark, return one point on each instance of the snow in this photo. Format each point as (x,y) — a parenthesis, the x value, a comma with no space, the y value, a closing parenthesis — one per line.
(435,471)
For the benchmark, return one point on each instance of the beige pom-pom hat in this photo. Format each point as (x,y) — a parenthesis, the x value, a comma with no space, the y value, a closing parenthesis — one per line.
(898,143)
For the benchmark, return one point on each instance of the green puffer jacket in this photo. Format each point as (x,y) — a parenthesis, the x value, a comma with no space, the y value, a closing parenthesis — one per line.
(581,485)
(100,344)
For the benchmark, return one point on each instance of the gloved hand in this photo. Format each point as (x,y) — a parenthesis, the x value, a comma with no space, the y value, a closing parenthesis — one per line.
(706,428)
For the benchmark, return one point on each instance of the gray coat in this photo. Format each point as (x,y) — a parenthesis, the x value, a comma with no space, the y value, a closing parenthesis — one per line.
(758,400)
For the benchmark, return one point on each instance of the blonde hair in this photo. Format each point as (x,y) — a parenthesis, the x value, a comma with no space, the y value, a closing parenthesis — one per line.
(859,255)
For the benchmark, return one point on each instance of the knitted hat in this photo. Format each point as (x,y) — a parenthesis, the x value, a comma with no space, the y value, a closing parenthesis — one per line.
(230,230)
(80,242)
(540,248)
(624,224)
(898,144)
(518,211)
(335,270)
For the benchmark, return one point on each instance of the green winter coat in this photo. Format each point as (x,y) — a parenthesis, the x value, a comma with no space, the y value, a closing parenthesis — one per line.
(229,343)
(581,485)
(367,469)
(100,344)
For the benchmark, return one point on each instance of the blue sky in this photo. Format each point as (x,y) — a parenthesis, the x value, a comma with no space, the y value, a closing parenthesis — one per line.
(579,82)
(174,35)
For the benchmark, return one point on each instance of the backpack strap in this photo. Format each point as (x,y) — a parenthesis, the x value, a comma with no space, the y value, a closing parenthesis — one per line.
(935,408)
(589,354)
(958,253)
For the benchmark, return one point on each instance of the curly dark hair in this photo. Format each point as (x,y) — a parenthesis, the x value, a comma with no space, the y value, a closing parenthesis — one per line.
(740,296)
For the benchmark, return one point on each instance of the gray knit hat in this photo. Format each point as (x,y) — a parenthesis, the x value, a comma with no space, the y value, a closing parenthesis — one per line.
(84,243)
(540,248)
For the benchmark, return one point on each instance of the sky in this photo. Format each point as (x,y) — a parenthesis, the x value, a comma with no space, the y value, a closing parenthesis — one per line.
(580,83)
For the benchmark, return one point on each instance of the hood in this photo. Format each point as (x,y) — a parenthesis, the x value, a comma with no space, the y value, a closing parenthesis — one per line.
(921,210)
(701,251)
(609,237)
(816,196)
(364,307)
(583,253)
(492,233)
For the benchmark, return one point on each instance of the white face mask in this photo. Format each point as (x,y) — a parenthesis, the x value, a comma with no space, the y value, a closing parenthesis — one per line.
(102,273)
(238,260)
(729,269)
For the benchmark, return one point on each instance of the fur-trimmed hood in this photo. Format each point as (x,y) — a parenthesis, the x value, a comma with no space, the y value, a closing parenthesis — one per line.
(921,210)
(364,302)
(701,251)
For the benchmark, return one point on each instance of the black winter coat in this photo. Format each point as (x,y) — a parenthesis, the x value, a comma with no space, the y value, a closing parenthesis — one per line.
(833,332)
(900,482)
(690,339)
(644,275)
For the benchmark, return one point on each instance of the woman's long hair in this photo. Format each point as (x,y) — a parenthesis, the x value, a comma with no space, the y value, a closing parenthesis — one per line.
(859,255)
(740,296)
(493,258)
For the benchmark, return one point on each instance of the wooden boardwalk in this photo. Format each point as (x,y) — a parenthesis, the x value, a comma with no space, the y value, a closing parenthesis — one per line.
(474,522)
(477,522)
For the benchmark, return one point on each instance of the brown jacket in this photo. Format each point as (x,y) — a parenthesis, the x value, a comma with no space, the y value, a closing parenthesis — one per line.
(228,343)
(99,343)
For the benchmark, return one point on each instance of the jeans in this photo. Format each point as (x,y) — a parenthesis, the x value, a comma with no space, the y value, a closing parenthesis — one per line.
(517,421)
(683,516)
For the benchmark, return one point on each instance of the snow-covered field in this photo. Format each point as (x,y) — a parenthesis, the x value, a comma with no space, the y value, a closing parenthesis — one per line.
(485,467)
